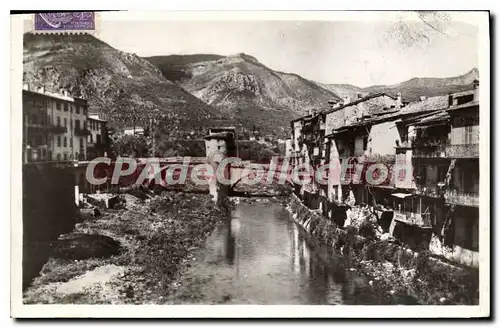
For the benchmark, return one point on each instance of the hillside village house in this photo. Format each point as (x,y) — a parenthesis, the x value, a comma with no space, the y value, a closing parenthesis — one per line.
(444,150)
(430,149)
(130,131)
(54,126)
(58,127)
(97,138)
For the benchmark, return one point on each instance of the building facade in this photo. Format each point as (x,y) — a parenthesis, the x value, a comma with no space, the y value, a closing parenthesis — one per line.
(54,126)
(416,163)
(97,139)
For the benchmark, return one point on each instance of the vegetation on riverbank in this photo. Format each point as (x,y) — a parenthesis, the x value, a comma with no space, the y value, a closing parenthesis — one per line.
(154,239)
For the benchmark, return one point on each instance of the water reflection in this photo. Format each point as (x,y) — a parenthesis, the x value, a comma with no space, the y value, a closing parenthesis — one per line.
(261,256)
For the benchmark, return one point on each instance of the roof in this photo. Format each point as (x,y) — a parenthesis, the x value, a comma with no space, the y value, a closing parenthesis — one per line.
(401,195)
(220,136)
(301,118)
(222,128)
(368,121)
(54,95)
(428,104)
(463,93)
(96,118)
(132,128)
(462,106)
(435,119)
(357,101)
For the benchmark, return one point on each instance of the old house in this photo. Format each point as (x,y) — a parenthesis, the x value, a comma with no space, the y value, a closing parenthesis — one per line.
(52,124)
(98,136)
(344,114)
(443,147)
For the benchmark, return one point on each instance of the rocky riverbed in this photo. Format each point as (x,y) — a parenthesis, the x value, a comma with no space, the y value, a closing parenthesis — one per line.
(127,255)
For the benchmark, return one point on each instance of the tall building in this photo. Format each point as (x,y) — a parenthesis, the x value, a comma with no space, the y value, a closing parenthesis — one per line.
(97,140)
(416,164)
(54,126)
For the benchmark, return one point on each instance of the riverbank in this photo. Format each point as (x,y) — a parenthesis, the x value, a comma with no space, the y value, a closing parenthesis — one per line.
(126,255)
(419,275)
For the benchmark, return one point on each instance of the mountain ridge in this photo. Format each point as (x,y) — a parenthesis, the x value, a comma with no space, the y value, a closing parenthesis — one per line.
(413,88)
(246,89)
(126,87)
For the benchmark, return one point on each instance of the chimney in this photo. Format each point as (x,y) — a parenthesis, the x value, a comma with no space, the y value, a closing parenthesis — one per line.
(475,84)
(422,98)
(399,100)
(41,89)
(334,103)
(360,96)
(476,90)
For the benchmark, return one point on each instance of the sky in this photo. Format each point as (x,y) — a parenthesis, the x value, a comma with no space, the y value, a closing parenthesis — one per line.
(361,53)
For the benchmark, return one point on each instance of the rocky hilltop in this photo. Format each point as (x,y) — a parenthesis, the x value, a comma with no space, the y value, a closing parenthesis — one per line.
(246,90)
(411,89)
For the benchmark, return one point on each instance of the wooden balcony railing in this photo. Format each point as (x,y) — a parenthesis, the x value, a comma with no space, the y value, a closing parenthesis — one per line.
(57,129)
(461,198)
(429,151)
(463,151)
(422,220)
(82,132)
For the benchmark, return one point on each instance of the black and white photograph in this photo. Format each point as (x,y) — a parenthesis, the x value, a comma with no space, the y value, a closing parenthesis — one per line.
(336,159)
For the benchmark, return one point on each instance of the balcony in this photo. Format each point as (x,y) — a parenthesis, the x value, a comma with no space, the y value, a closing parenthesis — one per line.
(429,150)
(463,151)
(82,132)
(57,129)
(421,220)
(461,198)
(432,191)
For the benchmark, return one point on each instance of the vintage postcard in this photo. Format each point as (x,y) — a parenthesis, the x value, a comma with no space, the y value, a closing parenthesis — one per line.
(250,164)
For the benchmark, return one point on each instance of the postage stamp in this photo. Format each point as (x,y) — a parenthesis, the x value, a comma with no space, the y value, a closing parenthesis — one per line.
(65,21)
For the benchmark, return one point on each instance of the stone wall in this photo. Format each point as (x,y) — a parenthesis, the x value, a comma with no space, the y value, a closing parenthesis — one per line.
(49,210)
(429,279)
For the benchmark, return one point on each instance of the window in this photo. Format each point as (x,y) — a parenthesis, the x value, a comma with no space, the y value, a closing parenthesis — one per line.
(81,143)
(71,124)
(58,121)
(58,156)
(77,109)
(66,107)
(468,134)
(58,106)
(65,157)
(71,142)
(77,155)
(65,122)
(65,142)
(365,143)
(77,124)
(442,173)
(59,143)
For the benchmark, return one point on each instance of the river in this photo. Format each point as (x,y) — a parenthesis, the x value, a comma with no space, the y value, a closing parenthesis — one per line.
(262,257)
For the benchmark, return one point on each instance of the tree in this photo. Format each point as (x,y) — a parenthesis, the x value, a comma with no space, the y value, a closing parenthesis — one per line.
(130,145)
(415,27)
